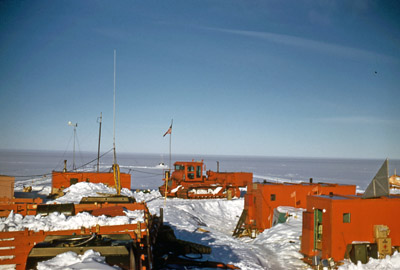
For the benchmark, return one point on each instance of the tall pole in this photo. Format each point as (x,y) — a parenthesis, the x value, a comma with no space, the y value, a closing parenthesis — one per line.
(170,139)
(167,174)
(98,148)
(73,155)
(115,61)
(115,165)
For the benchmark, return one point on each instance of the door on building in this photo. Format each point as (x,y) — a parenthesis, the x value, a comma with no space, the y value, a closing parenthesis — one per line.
(317,229)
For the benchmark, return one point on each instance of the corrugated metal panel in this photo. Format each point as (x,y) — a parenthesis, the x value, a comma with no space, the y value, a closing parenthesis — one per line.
(379,185)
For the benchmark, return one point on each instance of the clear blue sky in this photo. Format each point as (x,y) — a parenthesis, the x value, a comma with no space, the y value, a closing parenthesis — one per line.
(276,78)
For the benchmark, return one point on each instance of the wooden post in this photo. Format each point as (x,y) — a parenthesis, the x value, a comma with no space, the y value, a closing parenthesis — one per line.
(166,187)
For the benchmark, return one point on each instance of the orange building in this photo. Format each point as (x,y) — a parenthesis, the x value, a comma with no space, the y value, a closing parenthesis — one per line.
(61,180)
(7,186)
(262,198)
(335,223)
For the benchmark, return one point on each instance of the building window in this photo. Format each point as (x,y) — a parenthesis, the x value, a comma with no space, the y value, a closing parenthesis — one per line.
(73,181)
(273,197)
(346,217)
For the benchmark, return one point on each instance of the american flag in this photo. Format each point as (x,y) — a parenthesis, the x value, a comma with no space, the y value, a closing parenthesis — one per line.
(168,131)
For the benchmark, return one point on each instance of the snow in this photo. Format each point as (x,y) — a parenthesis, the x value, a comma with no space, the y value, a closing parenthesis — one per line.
(176,189)
(394,191)
(90,260)
(283,240)
(211,222)
(206,191)
(161,166)
(208,222)
(75,193)
(390,262)
(56,221)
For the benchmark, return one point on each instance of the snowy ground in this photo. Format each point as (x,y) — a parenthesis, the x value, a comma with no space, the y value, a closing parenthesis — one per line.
(207,222)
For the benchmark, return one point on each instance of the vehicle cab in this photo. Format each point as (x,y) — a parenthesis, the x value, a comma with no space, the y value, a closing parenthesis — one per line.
(188,171)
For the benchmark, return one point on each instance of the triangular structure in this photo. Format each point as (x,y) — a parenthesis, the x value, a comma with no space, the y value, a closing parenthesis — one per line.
(379,186)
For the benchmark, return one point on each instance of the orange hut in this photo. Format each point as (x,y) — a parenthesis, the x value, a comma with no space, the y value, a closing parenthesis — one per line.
(356,227)
(332,223)
(262,198)
(61,180)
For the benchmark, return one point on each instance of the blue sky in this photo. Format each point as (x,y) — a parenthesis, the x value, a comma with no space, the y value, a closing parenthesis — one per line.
(305,78)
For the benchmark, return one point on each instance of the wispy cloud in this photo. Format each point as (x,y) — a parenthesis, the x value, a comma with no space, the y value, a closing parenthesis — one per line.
(358,120)
(318,46)
(113,33)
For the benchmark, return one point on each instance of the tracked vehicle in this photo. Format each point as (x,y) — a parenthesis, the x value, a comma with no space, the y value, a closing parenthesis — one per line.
(187,181)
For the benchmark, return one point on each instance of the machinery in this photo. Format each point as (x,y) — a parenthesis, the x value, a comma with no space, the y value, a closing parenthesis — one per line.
(118,249)
(188,182)
(394,181)
(128,245)
(144,245)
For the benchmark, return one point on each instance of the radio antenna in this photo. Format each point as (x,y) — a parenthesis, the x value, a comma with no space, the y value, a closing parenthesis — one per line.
(117,175)
(115,61)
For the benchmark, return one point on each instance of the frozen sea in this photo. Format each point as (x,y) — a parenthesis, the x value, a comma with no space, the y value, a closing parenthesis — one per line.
(31,166)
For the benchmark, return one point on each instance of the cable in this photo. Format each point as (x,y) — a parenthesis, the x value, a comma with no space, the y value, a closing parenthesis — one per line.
(86,241)
(93,160)
(79,148)
(145,177)
(40,175)
(65,151)
(145,172)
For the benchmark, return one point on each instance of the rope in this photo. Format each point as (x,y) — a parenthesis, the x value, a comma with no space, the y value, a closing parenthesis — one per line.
(65,151)
(145,172)
(79,148)
(40,175)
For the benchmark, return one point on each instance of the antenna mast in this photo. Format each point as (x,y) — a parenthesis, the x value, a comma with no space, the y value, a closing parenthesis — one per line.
(115,61)
(115,165)
(73,159)
(98,148)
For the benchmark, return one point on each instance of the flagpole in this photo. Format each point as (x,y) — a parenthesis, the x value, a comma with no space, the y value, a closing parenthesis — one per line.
(170,139)
(167,175)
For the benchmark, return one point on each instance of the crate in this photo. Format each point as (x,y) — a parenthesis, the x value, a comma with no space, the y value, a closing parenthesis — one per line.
(384,247)
(381,231)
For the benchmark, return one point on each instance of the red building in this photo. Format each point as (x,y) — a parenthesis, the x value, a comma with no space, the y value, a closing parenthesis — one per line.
(262,198)
(332,224)
(61,180)
(356,227)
